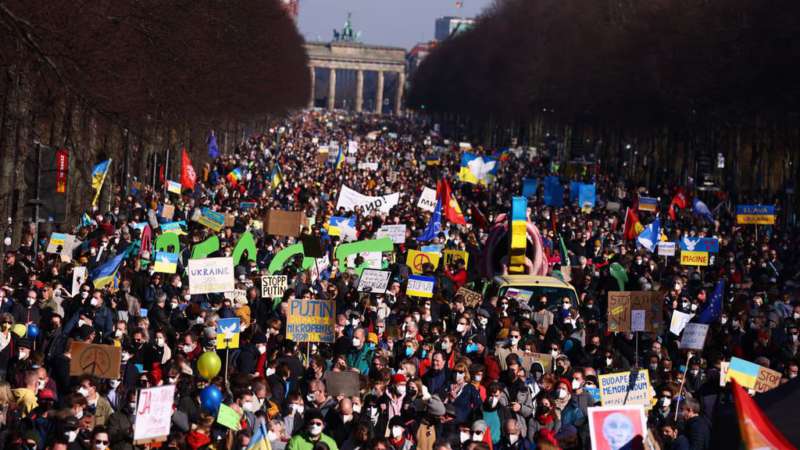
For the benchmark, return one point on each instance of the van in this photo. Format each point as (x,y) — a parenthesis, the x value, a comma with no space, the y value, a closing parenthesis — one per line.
(519,285)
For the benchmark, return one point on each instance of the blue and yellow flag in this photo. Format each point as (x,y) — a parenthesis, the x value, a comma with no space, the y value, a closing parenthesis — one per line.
(477,169)
(259,440)
(98,177)
(339,158)
(276,176)
(104,275)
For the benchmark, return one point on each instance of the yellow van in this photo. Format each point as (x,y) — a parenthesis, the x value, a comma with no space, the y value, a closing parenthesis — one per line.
(519,285)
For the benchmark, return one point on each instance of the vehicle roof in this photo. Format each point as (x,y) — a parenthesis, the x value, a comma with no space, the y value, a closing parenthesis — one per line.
(531,280)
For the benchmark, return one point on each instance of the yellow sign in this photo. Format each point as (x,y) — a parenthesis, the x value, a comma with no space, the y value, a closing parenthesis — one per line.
(451,256)
(416,259)
(755,219)
(694,258)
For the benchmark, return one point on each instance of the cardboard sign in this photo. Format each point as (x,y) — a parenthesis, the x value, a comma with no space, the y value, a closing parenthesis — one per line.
(622,304)
(615,386)
(228,331)
(416,259)
(56,243)
(472,299)
(273,286)
(427,199)
(419,286)
(311,320)
(166,262)
(694,336)
(150,422)
(397,233)
(694,258)
(374,281)
(368,166)
(755,214)
(79,276)
(284,223)
(342,383)
(767,379)
(666,248)
(230,220)
(167,212)
(211,219)
(451,256)
(102,361)
(210,275)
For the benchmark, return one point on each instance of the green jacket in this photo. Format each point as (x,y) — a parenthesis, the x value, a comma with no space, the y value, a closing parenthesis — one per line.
(361,359)
(302,442)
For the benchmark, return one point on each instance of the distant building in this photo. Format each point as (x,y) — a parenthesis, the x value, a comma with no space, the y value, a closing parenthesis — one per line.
(291,7)
(451,25)
(415,56)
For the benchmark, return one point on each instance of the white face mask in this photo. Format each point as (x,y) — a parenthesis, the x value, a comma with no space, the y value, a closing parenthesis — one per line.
(81,323)
(270,371)
(298,409)
(315,430)
(460,328)
(261,350)
(71,435)
(347,418)
(79,415)
(514,340)
(495,400)
(95,301)
(40,384)
(609,361)
(576,384)
(250,406)
(357,408)
(160,341)
(477,378)
(401,389)
(310,398)
(562,393)
(188,348)
(23,355)
(83,391)
(477,437)
(484,321)
(397,432)
(665,402)
(356,342)
(272,436)
(459,377)
(513,438)
(554,353)
(463,436)
(84,294)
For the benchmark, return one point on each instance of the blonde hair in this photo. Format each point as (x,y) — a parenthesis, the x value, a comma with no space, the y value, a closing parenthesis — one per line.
(6,396)
(462,367)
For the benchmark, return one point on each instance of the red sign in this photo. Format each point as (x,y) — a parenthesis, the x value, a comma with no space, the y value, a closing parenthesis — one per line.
(62,169)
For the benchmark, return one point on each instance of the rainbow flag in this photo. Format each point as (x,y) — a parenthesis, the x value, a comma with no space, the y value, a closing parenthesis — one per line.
(234,176)
(743,372)
(756,429)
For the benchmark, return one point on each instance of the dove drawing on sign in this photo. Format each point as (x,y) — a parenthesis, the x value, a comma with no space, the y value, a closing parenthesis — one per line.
(481,168)
(690,243)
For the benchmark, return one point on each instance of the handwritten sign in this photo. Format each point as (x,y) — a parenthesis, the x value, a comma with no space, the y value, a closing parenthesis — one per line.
(427,199)
(396,232)
(694,336)
(374,281)
(273,286)
(451,256)
(210,275)
(755,214)
(622,304)
(150,422)
(472,299)
(666,248)
(311,320)
(419,286)
(211,219)
(689,258)
(102,361)
(767,379)
(616,389)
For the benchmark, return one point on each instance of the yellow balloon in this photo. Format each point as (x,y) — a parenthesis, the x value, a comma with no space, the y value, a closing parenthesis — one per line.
(209,365)
(19,329)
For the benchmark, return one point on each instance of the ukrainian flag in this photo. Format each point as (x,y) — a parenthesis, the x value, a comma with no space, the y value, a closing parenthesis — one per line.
(276,176)
(743,371)
(259,439)
(98,177)
(166,262)
(105,274)
(339,159)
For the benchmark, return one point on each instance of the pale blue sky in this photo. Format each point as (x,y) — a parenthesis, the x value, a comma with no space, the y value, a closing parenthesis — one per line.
(400,23)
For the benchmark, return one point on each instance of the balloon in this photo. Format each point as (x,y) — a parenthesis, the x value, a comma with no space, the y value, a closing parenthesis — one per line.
(19,329)
(210,398)
(33,331)
(208,365)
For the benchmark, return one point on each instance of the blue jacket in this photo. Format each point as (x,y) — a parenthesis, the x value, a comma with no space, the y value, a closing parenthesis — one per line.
(468,401)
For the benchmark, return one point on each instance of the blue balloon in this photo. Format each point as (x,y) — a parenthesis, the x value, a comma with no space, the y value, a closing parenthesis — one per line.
(210,398)
(33,330)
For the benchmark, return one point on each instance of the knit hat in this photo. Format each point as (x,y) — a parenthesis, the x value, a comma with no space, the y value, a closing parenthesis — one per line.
(479,426)
(436,406)
(398,378)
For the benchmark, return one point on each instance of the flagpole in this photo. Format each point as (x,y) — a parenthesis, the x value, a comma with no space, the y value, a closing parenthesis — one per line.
(683,381)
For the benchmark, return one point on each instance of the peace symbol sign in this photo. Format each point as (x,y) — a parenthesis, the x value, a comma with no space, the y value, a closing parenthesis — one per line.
(419,260)
(95,360)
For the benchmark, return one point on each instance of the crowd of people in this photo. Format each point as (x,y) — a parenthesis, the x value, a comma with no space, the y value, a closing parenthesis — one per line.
(435,373)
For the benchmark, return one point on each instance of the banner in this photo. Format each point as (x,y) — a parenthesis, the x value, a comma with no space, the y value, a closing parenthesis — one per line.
(228,331)
(166,262)
(273,286)
(553,192)
(57,242)
(694,258)
(529,186)
(699,244)
(210,275)
(427,199)
(62,170)
(755,214)
(374,281)
(350,199)
(416,259)
(419,286)
(666,248)
(694,336)
(174,187)
(397,233)
(615,387)
(451,256)
(211,219)
(368,166)
(311,320)
(586,195)
(150,422)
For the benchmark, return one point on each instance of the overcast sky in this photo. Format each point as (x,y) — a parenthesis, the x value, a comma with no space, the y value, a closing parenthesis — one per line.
(400,23)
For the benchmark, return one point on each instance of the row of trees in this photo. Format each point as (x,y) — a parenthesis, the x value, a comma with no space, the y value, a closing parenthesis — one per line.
(669,76)
(127,79)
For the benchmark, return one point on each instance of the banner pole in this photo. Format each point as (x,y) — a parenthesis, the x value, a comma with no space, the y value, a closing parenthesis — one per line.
(683,381)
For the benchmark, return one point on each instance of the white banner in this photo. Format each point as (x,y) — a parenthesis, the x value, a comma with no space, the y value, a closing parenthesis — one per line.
(350,199)
(427,200)
(368,166)
(210,275)
(679,321)
(151,422)
(372,259)
(374,281)
(396,232)
(666,249)
(694,336)
(352,147)
(273,286)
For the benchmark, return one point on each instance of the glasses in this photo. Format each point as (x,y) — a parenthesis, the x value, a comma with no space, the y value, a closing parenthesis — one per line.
(98,441)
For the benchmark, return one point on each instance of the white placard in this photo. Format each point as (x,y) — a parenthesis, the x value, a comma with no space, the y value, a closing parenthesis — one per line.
(372,259)
(666,248)
(210,275)
(427,200)
(352,147)
(273,286)
(368,166)
(153,413)
(396,232)
(78,278)
(694,336)
(638,320)
(374,281)
(321,265)
(679,321)
(350,199)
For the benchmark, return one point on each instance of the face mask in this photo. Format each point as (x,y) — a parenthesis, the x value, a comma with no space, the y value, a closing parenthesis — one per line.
(347,418)
(566,305)
(477,378)
(188,348)
(84,392)
(562,393)
(694,372)
(609,361)
(459,377)
(126,356)
(463,436)
(81,323)
(79,415)
(160,342)
(356,342)
(270,371)
(310,398)
(446,346)
(84,294)
(514,340)
(397,432)
(71,435)
(460,328)
(484,321)
(251,406)
(357,409)
(401,389)
(796,315)
(40,384)
(513,438)
(298,409)
(495,400)
(315,430)
(477,437)
(272,436)
(576,384)
(554,353)
(472,348)
(665,402)
(200,320)
(261,349)
(409,352)
(118,334)
(95,302)
(23,355)
(173,306)
(31,300)
(694,306)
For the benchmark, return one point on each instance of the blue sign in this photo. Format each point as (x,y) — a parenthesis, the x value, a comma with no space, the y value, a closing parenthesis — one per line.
(553,192)
(699,244)
(529,186)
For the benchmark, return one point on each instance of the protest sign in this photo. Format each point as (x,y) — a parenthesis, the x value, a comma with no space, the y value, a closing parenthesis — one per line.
(419,286)
(98,360)
(167,212)
(617,427)
(451,256)
(371,260)
(374,281)
(472,299)
(150,422)
(166,262)
(755,214)
(529,186)
(520,295)
(352,147)
(230,220)
(273,286)
(211,219)
(647,307)
(349,199)
(545,359)
(347,383)
(649,204)
(427,199)
(56,243)
(694,336)
(699,244)
(666,248)
(210,275)
(613,206)
(416,260)
(229,418)
(679,321)
(368,166)
(767,379)
(174,187)
(744,372)
(397,233)
(79,275)
(284,223)
(311,320)
(626,388)
(173,227)
(228,331)
(236,295)
(689,258)
(312,246)
(637,320)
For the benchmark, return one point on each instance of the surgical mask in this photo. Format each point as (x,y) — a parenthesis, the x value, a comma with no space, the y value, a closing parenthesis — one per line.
(401,389)
(126,356)
(270,371)
(609,361)
(72,435)
(484,321)
(576,384)
(272,436)
(356,342)
(494,401)
(251,406)
(188,348)
(84,294)
(723,320)
(514,340)
(347,418)
(118,334)
(477,378)
(79,415)
(173,305)
(298,409)
(409,352)
(796,315)
(554,353)
(694,372)
(513,438)
(200,320)
(23,355)
(172,380)
(562,393)
(463,436)
(40,384)
(460,328)
(459,377)
(694,306)
(187,297)
(95,302)
(665,402)
(472,348)
(83,391)
(477,437)
(261,349)
(31,300)
(160,341)
(357,408)
(310,398)
(397,432)
(315,430)
(566,305)
(446,346)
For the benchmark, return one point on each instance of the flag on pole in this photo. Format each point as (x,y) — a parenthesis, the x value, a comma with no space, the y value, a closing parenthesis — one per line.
(678,200)
(452,211)
(259,440)
(701,209)
(756,429)
(276,177)
(650,236)
(213,148)
(435,224)
(98,178)
(713,310)
(188,175)
(339,159)
(104,275)
(234,176)
(632,227)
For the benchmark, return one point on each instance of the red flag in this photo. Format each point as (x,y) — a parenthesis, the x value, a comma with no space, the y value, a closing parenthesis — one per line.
(147,239)
(478,218)
(679,200)
(451,209)
(756,429)
(188,175)
(632,225)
